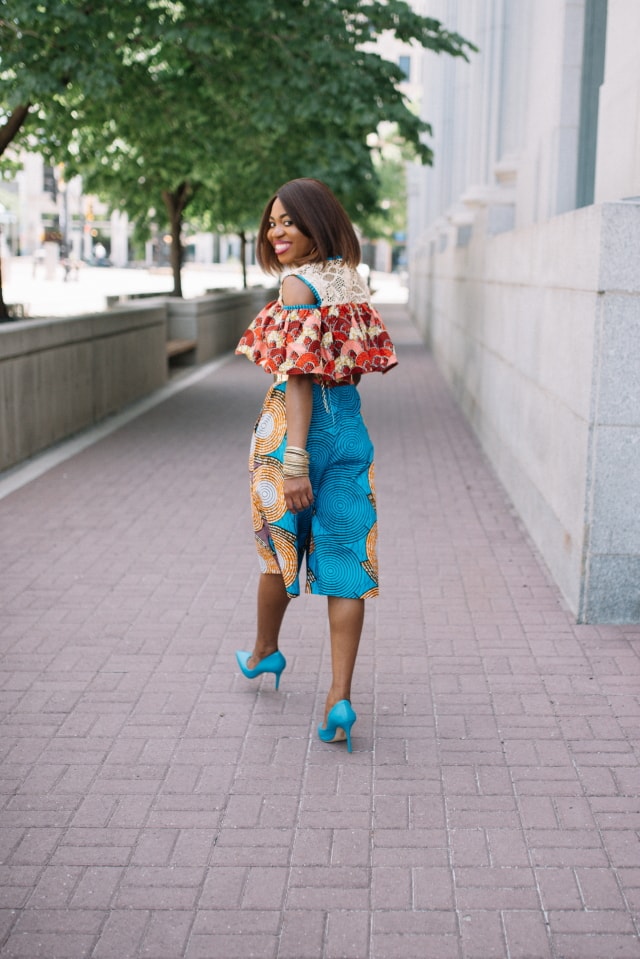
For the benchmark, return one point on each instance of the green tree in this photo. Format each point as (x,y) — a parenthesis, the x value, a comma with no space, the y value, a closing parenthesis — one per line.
(389,217)
(55,54)
(208,106)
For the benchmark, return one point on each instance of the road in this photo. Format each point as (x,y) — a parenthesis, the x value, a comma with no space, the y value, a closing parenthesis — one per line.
(87,290)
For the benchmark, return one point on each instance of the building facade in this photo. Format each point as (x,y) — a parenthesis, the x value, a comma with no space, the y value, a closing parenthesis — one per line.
(50,215)
(524,246)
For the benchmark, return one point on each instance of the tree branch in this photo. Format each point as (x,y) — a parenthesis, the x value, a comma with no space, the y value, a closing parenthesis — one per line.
(17,29)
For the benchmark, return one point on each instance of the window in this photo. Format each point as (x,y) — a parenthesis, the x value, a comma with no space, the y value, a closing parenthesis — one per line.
(405,65)
(49,184)
(595,32)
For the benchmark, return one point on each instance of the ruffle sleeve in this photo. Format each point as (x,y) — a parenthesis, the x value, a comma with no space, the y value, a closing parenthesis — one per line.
(337,344)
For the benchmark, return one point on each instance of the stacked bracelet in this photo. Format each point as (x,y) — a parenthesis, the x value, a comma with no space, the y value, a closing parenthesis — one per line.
(296,462)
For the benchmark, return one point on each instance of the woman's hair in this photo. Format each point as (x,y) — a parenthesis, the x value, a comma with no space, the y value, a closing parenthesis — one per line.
(319,215)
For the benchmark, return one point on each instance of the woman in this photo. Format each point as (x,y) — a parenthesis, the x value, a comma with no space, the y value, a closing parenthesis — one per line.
(311,459)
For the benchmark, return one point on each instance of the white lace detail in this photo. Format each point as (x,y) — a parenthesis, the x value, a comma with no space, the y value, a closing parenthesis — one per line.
(334,281)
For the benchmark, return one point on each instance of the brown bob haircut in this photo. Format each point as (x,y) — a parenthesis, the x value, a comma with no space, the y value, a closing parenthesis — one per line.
(319,215)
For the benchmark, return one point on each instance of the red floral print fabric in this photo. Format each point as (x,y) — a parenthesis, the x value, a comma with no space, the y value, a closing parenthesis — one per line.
(337,344)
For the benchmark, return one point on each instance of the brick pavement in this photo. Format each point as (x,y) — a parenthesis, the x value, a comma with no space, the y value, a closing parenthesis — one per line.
(156,804)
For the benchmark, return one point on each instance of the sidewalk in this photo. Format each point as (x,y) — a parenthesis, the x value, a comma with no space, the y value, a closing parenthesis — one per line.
(154,803)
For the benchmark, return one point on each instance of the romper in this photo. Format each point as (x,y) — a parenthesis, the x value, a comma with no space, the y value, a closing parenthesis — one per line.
(337,340)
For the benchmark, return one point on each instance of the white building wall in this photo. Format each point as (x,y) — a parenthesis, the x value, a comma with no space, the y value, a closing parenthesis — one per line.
(549,147)
(33,202)
(119,223)
(531,307)
(618,156)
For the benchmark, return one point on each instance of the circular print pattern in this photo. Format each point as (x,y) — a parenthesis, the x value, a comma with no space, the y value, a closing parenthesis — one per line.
(256,509)
(320,446)
(285,546)
(337,569)
(272,425)
(371,546)
(344,510)
(352,443)
(268,487)
(265,426)
(267,562)
(349,400)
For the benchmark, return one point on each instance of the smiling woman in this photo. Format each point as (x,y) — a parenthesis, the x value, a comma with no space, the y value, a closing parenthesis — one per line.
(312,486)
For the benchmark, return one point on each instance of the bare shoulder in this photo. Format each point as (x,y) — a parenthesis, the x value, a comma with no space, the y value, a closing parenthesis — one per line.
(295,291)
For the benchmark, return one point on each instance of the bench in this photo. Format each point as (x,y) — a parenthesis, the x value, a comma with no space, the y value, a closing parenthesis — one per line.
(119,299)
(181,352)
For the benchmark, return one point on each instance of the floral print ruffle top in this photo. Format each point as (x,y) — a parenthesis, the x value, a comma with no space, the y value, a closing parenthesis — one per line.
(337,339)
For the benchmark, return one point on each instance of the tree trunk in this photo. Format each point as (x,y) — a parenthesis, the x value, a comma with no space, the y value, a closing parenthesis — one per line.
(4,310)
(176,203)
(243,257)
(176,252)
(13,124)
(7,133)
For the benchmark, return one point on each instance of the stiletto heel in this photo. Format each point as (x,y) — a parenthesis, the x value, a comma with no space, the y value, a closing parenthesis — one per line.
(274,663)
(338,725)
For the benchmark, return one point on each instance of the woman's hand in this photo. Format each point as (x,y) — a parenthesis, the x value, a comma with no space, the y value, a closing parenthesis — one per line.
(298,494)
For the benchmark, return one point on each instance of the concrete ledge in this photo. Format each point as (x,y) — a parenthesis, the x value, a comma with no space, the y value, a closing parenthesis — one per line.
(215,321)
(33,336)
(58,377)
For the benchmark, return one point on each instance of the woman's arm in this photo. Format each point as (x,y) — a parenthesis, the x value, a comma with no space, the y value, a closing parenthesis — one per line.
(298,404)
(298,494)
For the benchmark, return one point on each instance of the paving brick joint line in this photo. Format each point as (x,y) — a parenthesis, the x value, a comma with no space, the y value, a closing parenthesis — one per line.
(154,803)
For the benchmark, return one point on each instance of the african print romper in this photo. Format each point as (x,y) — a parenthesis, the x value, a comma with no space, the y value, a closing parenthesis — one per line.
(336,340)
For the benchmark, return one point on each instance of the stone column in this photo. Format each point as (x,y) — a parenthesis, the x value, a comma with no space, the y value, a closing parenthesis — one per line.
(611,562)
(618,152)
(119,239)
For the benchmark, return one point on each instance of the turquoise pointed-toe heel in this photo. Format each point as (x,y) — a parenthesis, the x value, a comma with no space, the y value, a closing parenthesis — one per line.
(338,725)
(274,663)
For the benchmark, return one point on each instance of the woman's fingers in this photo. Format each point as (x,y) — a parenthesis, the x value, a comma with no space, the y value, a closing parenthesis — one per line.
(298,505)
(298,494)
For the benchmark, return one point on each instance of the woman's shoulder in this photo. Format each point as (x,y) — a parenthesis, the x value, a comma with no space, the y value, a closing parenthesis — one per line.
(297,291)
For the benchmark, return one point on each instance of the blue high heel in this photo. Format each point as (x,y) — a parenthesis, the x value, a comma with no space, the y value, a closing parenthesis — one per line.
(338,725)
(274,663)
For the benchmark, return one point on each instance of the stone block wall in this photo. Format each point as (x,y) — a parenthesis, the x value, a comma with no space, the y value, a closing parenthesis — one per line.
(537,331)
(58,377)
(216,321)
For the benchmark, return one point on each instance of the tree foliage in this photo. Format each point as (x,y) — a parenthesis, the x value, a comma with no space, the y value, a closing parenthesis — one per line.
(206,105)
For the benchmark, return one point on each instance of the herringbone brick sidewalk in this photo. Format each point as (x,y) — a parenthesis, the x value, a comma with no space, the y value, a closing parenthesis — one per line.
(156,804)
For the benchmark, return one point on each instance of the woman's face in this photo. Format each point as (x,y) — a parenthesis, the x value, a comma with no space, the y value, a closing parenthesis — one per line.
(291,246)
